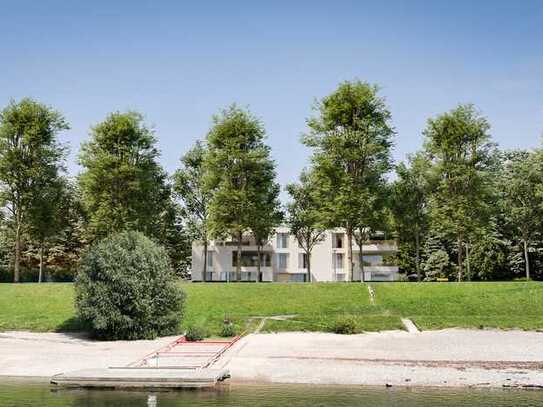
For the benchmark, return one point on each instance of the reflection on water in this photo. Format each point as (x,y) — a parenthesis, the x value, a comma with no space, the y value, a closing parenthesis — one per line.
(30,394)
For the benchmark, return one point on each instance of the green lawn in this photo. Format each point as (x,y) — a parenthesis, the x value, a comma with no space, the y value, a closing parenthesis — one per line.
(317,306)
(470,305)
(49,307)
(37,307)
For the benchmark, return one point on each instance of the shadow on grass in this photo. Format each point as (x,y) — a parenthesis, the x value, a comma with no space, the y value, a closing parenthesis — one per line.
(72,324)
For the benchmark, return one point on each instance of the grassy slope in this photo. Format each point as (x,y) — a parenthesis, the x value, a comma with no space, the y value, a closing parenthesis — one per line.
(317,306)
(44,307)
(472,305)
(49,307)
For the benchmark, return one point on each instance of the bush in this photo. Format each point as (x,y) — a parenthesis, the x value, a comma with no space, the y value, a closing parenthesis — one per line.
(438,265)
(345,325)
(126,289)
(195,333)
(228,330)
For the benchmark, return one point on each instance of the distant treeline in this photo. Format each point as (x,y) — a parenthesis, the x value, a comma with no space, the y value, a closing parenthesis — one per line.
(461,208)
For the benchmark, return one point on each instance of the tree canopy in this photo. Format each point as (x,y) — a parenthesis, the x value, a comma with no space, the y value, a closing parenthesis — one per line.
(31,159)
(351,137)
(240,174)
(304,216)
(123,186)
(458,143)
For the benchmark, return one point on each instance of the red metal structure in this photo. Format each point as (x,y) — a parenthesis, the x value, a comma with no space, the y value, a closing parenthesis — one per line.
(183,354)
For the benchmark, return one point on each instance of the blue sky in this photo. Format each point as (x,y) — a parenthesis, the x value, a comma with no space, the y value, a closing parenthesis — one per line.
(180,62)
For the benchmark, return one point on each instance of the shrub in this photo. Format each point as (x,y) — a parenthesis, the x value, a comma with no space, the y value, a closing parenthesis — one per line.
(345,325)
(195,333)
(229,329)
(126,289)
(438,265)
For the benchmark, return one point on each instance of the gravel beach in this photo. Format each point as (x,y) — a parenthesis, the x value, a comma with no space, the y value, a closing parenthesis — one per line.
(452,357)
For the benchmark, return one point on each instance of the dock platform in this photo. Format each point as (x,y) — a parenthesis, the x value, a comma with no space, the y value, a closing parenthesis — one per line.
(141,378)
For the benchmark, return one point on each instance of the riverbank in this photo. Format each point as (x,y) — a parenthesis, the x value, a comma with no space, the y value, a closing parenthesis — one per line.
(317,307)
(452,357)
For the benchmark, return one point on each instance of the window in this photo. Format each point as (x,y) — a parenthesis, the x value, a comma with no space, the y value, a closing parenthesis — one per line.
(337,241)
(340,277)
(209,259)
(248,276)
(380,276)
(209,276)
(282,240)
(228,276)
(373,260)
(282,260)
(296,278)
(250,259)
(338,261)
(302,260)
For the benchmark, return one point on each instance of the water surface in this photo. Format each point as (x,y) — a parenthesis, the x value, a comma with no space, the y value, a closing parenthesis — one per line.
(33,394)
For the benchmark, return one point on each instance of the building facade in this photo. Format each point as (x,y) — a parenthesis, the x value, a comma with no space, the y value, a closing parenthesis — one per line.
(284,261)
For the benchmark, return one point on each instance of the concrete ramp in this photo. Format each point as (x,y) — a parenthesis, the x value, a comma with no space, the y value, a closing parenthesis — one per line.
(141,378)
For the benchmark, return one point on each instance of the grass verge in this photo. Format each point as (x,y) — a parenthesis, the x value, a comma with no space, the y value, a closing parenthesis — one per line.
(316,306)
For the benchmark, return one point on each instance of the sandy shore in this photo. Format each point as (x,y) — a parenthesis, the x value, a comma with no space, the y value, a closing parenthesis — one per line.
(451,357)
(433,358)
(46,354)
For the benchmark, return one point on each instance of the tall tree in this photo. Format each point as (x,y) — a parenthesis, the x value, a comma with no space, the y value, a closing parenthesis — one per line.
(45,219)
(30,160)
(267,213)
(459,145)
(352,139)
(374,218)
(188,185)
(123,186)
(65,249)
(523,206)
(410,203)
(236,164)
(304,216)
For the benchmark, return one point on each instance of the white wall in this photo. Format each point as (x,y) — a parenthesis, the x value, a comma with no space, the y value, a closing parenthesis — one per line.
(322,264)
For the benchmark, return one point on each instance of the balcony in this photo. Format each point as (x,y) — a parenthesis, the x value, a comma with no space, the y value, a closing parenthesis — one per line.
(380,246)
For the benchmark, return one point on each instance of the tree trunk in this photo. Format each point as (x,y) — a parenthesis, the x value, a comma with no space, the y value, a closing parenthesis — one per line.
(417,254)
(204,278)
(361,261)
(40,275)
(349,254)
(308,254)
(526,260)
(460,260)
(468,270)
(17,253)
(238,265)
(258,263)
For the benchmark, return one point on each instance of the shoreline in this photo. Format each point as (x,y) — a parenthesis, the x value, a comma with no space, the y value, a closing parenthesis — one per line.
(44,381)
(453,358)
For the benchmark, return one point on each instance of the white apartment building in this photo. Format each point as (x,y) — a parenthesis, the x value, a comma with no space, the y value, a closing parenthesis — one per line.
(284,261)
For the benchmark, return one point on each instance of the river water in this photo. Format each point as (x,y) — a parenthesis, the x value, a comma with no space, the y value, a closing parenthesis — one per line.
(32,394)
